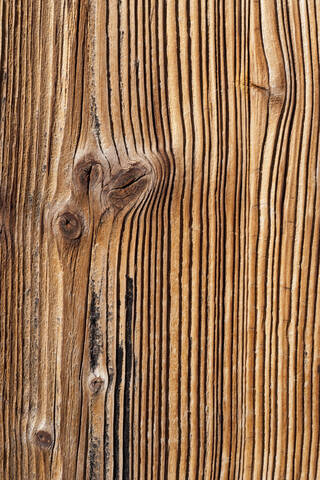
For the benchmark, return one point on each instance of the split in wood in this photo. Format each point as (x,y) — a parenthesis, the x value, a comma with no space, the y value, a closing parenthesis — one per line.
(126,186)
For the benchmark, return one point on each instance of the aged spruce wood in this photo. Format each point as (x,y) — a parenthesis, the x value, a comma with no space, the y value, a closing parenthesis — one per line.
(159,219)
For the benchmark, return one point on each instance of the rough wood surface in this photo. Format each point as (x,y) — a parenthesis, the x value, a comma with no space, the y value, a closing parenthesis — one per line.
(160,306)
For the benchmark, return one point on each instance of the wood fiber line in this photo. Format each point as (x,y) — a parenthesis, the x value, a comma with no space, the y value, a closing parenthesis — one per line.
(159,232)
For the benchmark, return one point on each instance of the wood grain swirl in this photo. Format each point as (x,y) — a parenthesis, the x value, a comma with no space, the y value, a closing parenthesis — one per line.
(159,232)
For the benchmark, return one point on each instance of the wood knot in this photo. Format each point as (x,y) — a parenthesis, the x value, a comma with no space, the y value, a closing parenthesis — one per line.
(43,438)
(70,225)
(96,385)
(87,171)
(127,185)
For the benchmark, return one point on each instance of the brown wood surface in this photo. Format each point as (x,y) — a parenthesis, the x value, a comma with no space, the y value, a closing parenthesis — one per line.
(159,219)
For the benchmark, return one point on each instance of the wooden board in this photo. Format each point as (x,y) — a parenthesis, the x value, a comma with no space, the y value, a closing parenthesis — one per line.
(159,239)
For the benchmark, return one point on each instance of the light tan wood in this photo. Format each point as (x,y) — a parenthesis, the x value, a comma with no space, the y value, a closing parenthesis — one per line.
(159,239)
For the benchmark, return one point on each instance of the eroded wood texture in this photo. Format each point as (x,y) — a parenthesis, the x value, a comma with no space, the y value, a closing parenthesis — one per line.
(159,239)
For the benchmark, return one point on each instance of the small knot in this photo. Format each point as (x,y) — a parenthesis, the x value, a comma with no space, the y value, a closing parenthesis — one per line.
(96,385)
(87,171)
(44,439)
(70,225)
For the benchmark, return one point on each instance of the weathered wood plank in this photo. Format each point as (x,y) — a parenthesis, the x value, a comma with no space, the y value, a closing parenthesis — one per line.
(159,232)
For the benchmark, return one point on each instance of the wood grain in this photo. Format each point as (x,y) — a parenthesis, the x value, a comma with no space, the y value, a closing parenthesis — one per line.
(159,214)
